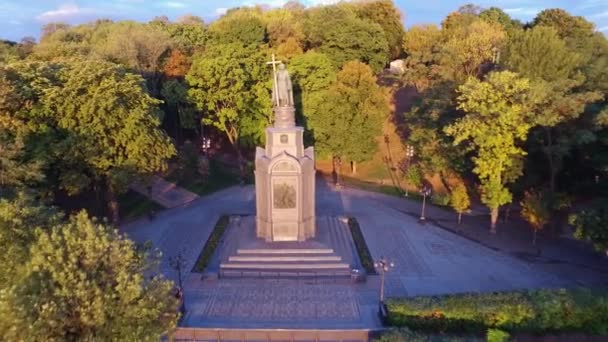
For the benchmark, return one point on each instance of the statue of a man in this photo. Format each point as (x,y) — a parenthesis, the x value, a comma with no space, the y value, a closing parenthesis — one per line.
(283,89)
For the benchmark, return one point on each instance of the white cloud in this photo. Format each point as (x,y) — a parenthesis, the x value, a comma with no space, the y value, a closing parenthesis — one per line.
(221,11)
(64,12)
(603,29)
(174,4)
(522,11)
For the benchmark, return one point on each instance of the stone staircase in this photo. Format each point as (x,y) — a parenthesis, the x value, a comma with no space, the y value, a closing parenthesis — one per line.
(329,255)
(285,263)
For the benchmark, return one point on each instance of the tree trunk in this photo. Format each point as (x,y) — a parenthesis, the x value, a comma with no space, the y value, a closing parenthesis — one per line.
(353,167)
(549,153)
(534,238)
(459,217)
(241,163)
(493,220)
(113,206)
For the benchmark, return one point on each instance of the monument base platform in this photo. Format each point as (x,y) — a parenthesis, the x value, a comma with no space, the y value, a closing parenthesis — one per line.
(330,254)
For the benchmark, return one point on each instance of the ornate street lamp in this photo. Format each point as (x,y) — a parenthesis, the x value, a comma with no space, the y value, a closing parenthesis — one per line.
(205,144)
(409,154)
(383,265)
(424,191)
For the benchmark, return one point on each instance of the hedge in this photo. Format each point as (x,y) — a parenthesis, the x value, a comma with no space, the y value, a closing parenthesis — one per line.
(364,255)
(539,311)
(211,245)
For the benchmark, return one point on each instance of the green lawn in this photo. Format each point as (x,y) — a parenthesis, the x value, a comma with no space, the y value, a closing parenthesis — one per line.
(134,205)
(221,176)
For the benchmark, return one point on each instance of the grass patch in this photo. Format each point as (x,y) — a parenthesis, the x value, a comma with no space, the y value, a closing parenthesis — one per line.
(220,177)
(387,189)
(134,205)
(538,311)
(364,255)
(211,244)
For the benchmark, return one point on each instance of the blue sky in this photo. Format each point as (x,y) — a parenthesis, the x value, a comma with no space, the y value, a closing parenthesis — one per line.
(19,18)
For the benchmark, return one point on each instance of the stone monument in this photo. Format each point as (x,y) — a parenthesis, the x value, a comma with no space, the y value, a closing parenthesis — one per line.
(284,171)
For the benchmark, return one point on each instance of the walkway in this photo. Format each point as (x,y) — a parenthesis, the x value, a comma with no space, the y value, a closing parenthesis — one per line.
(165,193)
(429,260)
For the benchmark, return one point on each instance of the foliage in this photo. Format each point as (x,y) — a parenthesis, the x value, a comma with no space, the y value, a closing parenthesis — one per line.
(239,27)
(358,106)
(538,311)
(440,199)
(219,176)
(100,108)
(497,335)
(83,281)
(212,243)
(364,255)
(388,16)
(590,225)
(497,119)
(337,32)
(414,176)
(535,209)
(231,85)
(421,43)
(459,199)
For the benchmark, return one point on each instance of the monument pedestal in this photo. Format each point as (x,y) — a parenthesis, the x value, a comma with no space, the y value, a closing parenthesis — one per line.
(285,182)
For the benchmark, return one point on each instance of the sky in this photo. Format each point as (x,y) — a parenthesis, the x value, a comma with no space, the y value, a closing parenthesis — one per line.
(20,18)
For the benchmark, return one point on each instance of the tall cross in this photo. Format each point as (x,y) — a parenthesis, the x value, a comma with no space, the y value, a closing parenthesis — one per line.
(274,63)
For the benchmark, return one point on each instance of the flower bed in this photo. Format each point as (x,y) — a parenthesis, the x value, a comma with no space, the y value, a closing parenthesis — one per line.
(211,244)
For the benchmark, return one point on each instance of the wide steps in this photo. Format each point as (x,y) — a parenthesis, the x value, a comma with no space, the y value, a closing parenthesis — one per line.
(286,251)
(283,258)
(286,266)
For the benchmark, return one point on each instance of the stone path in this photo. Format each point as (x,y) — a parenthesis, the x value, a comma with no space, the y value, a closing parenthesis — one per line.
(165,193)
(429,260)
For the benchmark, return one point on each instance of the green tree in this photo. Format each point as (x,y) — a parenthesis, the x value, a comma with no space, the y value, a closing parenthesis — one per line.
(422,44)
(337,32)
(93,122)
(497,15)
(590,224)
(231,85)
(497,119)
(536,210)
(358,107)
(240,26)
(543,57)
(388,16)
(459,200)
(84,282)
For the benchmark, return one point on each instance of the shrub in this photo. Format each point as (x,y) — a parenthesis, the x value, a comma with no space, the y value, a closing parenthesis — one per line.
(364,255)
(212,243)
(496,335)
(440,199)
(527,311)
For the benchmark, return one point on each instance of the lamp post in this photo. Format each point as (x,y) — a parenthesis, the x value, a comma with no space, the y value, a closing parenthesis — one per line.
(425,191)
(409,154)
(384,266)
(178,263)
(205,144)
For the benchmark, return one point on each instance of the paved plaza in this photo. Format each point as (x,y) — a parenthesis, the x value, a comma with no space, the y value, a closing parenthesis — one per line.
(428,260)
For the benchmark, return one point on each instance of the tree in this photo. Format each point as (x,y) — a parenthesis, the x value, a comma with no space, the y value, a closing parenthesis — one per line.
(541,56)
(498,16)
(459,200)
(337,32)
(358,107)
(422,44)
(311,73)
(242,26)
(574,29)
(469,48)
(83,281)
(94,122)
(387,15)
(497,119)
(143,51)
(590,225)
(535,208)
(231,85)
